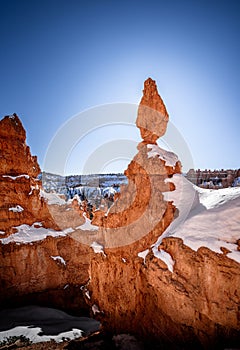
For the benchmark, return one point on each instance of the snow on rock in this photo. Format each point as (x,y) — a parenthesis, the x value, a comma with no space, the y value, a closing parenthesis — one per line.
(17,209)
(34,334)
(143,254)
(206,218)
(87,294)
(95,309)
(97,248)
(165,257)
(68,230)
(109,191)
(27,234)
(52,198)
(215,198)
(184,197)
(59,258)
(2,233)
(87,226)
(16,177)
(36,187)
(37,224)
(169,158)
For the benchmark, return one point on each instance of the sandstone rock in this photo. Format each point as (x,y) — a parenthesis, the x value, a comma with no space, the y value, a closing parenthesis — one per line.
(20,201)
(152,116)
(141,201)
(140,295)
(30,275)
(194,305)
(15,157)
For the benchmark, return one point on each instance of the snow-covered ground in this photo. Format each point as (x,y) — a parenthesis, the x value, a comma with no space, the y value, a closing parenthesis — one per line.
(98,248)
(28,234)
(41,324)
(52,198)
(87,226)
(207,218)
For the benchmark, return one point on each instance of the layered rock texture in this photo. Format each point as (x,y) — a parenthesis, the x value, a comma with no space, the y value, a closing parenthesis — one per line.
(28,270)
(128,264)
(214,179)
(19,186)
(171,293)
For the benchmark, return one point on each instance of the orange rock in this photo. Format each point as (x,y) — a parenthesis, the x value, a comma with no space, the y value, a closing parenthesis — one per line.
(15,157)
(20,201)
(195,305)
(152,116)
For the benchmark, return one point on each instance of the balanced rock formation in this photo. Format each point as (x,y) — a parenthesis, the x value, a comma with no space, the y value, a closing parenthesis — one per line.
(164,291)
(134,275)
(20,201)
(139,211)
(152,114)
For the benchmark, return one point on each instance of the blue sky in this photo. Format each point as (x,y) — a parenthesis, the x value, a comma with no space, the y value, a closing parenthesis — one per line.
(61,57)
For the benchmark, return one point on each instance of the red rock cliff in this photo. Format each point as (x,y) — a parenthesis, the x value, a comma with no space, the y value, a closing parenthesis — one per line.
(194,304)
(188,299)
(20,201)
(30,271)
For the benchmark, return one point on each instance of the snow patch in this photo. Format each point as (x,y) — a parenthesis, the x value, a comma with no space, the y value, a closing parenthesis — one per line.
(68,230)
(87,226)
(87,294)
(165,257)
(33,334)
(17,177)
(27,234)
(206,218)
(108,191)
(169,158)
(17,209)
(33,188)
(124,260)
(2,233)
(59,258)
(52,198)
(98,248)
(95,309)
(143,254)
(37,224)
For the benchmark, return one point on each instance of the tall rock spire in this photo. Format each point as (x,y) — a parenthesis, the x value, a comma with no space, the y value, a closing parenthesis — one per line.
(16,158)
(152,116)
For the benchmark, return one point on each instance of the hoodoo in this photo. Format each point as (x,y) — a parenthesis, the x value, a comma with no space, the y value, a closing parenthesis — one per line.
(20,202)
(149,281)
(163,263)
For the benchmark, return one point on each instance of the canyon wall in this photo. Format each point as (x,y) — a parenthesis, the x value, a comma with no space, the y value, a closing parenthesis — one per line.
(214,178)
(28,271)
(165,292)
(185,298)
(19,186)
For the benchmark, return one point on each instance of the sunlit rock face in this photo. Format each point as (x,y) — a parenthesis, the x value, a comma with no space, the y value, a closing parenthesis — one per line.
(16,158)
(152,116)
(39,262)
(135,276)
(140,207)
(20,201)
(164,291)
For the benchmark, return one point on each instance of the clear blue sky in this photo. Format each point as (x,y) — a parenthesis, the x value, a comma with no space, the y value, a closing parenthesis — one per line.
(59,57)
